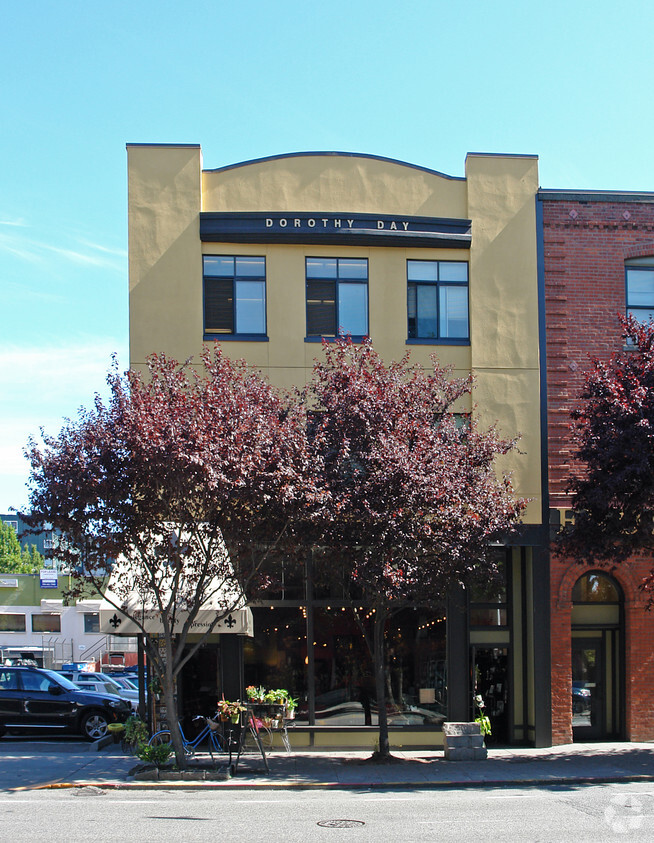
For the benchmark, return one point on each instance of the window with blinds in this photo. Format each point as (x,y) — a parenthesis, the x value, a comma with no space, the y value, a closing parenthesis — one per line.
(234,295)
(337,297)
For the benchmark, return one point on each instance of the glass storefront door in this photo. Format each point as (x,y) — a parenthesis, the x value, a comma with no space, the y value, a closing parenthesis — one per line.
(588,688)
(490,674)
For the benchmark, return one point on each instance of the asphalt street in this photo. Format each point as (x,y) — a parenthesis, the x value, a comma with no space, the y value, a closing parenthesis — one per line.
(580,813)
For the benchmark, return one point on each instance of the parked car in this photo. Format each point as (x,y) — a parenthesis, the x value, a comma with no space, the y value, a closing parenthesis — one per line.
(125,682)
(33,699)
(103,683)
(581,698)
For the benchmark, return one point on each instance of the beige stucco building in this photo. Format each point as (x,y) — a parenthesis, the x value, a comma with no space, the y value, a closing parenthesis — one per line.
(269,257)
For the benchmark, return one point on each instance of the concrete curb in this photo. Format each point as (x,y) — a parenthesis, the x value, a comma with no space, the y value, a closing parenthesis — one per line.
(231,784)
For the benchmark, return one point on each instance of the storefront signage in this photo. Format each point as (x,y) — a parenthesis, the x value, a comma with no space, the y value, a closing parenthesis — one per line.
(8,582)
(48,578)
(355,229)
(114,622)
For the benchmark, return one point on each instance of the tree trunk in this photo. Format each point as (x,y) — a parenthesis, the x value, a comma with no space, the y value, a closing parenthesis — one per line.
(170,698)
(380,683)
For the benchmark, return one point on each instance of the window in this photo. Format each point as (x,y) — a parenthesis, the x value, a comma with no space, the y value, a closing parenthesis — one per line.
(488,600)
(36,681)
(12,623)
(13,524)
(234,296)
(595,587)
(46,623)
(640,289)
(337,297)
(8,680)
(91,622)
(437,300)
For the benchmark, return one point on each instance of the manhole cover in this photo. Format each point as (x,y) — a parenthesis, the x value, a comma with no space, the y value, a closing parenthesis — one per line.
(340,823)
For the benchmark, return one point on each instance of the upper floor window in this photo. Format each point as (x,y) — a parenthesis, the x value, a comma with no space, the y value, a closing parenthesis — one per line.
(640,288)
(337,297)
(91,622)
(46,623)
(595,587)
(437,300)
(234,296)
(10,622)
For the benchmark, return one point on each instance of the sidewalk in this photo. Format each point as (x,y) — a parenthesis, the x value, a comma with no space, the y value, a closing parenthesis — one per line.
(30,767)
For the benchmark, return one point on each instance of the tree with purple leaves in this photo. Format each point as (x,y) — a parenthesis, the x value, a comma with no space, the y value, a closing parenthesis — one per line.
(612,484)
(182,488)
(413,502)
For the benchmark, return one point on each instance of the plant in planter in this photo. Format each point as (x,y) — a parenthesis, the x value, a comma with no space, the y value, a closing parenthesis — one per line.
(481,717)
(290,704)
(230,710)
(157,754)
(281,695)
(255,694)
(136,731)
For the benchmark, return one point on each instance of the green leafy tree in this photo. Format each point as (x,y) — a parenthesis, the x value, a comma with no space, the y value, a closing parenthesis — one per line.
(15,559)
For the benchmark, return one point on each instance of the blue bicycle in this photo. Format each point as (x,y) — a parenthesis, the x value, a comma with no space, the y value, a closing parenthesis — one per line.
(210,733)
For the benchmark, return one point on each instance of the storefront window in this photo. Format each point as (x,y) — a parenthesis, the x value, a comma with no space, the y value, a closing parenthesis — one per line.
(488,601)
(342,675)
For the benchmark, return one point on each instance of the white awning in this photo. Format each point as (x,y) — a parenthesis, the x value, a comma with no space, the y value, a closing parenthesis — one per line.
(113,622)
(52,605)
(88,605)
(139,602)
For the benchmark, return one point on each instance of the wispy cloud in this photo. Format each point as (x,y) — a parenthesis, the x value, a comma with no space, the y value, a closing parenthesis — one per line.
(15,288)
(82,252)
(121,253)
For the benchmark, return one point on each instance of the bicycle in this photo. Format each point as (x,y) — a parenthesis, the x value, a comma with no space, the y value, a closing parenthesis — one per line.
(210,731)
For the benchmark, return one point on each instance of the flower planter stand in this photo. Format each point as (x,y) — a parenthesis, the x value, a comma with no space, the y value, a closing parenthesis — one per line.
(463,742)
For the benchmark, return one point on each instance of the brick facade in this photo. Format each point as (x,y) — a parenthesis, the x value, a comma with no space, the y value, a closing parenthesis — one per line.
(586,240)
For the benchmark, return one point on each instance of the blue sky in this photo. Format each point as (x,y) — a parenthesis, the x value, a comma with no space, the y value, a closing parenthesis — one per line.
(424,82)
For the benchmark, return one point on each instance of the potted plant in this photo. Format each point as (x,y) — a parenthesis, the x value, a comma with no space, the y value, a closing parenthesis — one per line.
(290,704)
(230,711)
(482,718)
(255,694)
(136,731)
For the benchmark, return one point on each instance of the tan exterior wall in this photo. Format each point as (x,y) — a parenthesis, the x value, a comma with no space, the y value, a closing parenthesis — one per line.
(167,190)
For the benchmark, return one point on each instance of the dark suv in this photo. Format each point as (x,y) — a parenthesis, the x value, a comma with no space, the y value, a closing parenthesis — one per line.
(32,699)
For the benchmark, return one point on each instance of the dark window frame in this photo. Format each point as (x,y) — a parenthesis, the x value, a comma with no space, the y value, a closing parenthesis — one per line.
(208,279)
(437,284)
(91,619)
(313,335)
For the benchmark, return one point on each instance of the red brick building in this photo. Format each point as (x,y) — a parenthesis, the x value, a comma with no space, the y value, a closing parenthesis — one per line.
(597,263)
